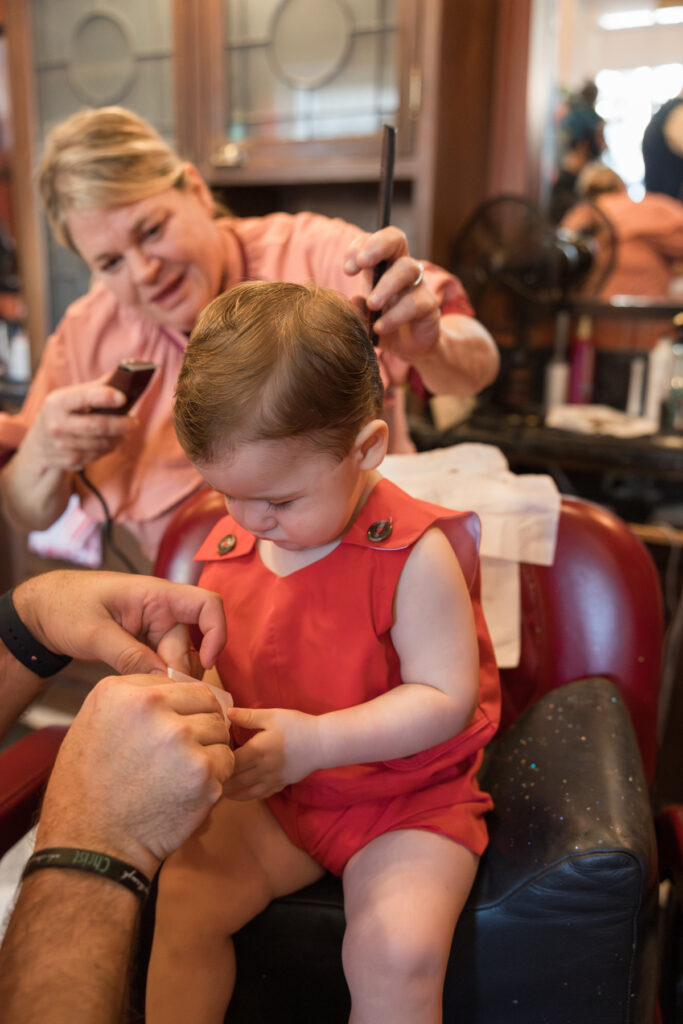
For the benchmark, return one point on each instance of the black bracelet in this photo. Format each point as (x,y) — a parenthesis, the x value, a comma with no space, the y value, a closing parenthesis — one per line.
(23,645)
(87,860)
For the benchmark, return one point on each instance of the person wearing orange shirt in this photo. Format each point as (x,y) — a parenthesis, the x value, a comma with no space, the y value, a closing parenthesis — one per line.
(145,223)
(639,244)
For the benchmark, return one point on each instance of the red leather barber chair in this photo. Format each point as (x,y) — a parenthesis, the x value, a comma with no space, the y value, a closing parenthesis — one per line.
(562,924)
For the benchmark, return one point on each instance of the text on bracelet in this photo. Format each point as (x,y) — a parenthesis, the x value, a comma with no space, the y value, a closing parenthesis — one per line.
(98,861)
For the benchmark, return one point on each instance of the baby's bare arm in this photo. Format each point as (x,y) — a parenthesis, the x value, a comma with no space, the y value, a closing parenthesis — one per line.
(435,638)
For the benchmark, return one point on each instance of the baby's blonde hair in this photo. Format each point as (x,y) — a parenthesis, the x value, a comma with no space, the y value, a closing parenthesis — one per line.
(272,360)
(98,159)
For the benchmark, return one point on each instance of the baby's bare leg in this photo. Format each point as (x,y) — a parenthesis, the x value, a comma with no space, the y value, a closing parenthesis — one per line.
(403,894)
(224,875)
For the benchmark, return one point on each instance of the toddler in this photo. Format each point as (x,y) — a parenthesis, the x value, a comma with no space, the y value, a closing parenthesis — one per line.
(364,681)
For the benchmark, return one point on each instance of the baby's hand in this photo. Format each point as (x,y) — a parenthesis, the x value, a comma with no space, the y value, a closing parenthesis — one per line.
(283,750)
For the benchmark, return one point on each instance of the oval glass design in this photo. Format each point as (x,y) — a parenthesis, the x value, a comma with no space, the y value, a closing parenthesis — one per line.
(310,41)
(102,65)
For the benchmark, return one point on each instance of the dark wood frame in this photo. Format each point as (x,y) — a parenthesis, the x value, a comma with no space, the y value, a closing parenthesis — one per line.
(29,237)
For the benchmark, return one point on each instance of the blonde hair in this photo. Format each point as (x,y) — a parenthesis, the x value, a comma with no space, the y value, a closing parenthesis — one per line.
(596,179)
(268,361)
(98,159)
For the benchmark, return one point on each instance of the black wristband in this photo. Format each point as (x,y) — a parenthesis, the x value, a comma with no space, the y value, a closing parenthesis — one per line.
(23,645)
(88,860)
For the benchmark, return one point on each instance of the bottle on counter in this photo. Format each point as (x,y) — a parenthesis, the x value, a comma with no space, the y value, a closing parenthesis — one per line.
(556,387)
(659,369)
(636,379)
(671,410)
(582,361)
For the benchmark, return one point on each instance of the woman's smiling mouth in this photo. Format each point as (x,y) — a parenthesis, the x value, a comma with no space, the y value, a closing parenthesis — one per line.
(169,293)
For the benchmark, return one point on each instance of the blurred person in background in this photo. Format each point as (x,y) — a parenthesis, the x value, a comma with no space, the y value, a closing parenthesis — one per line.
(639,244)
(663,149)
(581,141)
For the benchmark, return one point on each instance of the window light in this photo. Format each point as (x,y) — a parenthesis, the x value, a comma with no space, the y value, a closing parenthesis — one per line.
(642,18)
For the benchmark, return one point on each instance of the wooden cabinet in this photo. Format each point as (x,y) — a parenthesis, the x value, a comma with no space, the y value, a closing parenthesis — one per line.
(293,130)
(12,304)
(298,90)
(62,57)
(269,132)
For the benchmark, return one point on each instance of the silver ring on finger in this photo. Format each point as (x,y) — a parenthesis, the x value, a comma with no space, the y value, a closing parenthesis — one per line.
(420,274)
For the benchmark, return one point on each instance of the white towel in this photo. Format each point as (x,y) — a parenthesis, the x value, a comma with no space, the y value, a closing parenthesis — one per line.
(599,419)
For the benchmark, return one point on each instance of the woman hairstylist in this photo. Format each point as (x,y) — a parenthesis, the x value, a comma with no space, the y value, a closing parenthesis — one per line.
(145,223)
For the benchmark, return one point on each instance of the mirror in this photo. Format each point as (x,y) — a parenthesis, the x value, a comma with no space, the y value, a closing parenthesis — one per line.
(632,50)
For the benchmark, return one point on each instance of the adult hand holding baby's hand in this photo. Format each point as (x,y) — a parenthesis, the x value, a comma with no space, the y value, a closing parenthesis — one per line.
(141,766)
(133,623)
(283,750)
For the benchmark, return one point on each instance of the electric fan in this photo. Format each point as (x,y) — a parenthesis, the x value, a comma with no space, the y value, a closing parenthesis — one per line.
(516,266)
(517,269)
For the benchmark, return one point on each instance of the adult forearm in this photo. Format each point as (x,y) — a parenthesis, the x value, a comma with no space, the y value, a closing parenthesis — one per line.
(32,492)
(18,687)
(67,949)
(65,956)
(407,719)
(465,361)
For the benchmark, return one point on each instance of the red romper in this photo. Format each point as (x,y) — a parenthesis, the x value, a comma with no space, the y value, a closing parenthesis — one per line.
(319,640)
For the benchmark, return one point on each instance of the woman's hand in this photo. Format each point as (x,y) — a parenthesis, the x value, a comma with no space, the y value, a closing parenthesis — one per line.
(453,352)
(66,436)
(409,324)
(283,750)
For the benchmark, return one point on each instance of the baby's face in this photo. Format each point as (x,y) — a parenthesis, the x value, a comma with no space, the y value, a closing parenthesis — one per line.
(285,492)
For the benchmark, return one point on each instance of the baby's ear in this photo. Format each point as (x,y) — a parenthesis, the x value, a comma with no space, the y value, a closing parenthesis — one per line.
(371,444)
(358,301)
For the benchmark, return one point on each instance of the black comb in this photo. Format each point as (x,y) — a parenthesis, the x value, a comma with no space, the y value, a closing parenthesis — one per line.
(386,189)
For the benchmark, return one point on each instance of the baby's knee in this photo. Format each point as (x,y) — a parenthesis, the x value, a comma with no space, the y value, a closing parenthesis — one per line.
(188,904)
(181,899)
(213,905)
(376,952)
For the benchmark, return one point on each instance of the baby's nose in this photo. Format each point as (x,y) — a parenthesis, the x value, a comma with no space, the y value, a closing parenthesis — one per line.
(258,518)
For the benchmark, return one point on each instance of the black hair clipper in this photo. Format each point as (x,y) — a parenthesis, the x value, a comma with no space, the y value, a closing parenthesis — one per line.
(132,377)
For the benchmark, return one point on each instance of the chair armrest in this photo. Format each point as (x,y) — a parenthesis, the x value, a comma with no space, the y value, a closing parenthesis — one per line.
(569,880)
(566,777)
(25,767)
